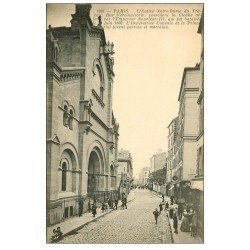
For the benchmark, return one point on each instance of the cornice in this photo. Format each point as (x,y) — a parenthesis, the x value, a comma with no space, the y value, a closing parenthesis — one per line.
(190,138)
(99,100)
(69,75)
(99,120)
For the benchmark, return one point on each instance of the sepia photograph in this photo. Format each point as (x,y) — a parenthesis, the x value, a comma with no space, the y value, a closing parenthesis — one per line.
(125,123)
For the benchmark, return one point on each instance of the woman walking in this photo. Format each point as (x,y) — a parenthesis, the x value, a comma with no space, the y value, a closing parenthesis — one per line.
(185,223)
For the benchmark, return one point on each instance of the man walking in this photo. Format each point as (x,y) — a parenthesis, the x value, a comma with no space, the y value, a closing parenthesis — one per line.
(175,223)
(180,211)
(156,213)
(161,207)
(89,206)
(124,202)
(116,203)
(80,207)
(94,207)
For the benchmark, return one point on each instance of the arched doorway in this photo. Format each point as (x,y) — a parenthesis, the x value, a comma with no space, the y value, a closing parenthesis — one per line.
(95,172)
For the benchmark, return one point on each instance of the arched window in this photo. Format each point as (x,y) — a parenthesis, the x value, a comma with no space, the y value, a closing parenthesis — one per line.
(65,116)
(70,121)
(64,176)
(112,170)
(101,92)
(55,54)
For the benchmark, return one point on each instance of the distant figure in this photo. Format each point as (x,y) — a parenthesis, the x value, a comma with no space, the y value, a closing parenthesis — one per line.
(162,197)
(89,206)
(124,202)
(116,203)
(180,211)
(94,209)
(156,213)
(80,207)
(171,210)
(185,227)
(109,203)
(106,206)
(172,199)
(160,207)
(103,207)
(175,222)
(54,237)
(166,205)
(59,233)
(194,224)
(112,203)
(188,208)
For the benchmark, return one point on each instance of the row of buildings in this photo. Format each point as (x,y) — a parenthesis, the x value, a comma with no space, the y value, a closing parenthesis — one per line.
(81,130)
(184,159)
(157,162)
(185,156)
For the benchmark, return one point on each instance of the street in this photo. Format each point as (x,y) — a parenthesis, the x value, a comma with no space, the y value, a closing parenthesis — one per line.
(133,225)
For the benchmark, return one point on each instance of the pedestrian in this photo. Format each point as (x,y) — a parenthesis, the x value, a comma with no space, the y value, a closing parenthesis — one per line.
(172,199)
(80,207)
(194,224)
(175,222)
(54,237)
(112,203)
(89,206)
(180,210)
(103,207)
(171,210)
(124,202)
(156,213)
(187,208)
(185,227)
(116,203)
(160,207)
(59,233)
(94,209)
(166,205)
(162,197)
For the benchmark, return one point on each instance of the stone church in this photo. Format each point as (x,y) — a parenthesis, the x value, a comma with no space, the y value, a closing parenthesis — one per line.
(82,132)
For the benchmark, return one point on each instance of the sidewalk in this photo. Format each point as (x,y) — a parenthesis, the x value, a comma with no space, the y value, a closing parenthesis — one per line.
(181,237)
(75,223)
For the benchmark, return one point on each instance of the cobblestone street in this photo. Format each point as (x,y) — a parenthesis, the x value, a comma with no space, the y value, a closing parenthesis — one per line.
(133,225)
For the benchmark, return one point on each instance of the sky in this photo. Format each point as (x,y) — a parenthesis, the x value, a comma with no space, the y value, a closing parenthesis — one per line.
(148,71)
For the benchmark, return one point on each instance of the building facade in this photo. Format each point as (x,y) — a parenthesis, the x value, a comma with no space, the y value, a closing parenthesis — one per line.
(187,131)
(171,154)
(82,133)
(197,183)
(157,161)
(143,176)
(124,172)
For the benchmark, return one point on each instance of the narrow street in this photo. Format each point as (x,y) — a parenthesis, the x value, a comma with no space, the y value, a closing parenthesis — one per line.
(133,225)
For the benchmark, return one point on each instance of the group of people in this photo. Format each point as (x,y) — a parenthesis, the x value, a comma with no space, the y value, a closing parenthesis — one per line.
(57,235)
(190,221)
(187,215)
(111,204)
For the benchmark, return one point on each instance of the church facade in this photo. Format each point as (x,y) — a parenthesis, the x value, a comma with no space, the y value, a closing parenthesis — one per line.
(81,130)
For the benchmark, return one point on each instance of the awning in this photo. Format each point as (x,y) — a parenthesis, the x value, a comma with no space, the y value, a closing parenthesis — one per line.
(197,185)
(171,188)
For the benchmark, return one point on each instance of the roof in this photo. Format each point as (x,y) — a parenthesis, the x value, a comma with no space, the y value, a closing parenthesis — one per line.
(172,121)
(197,67)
